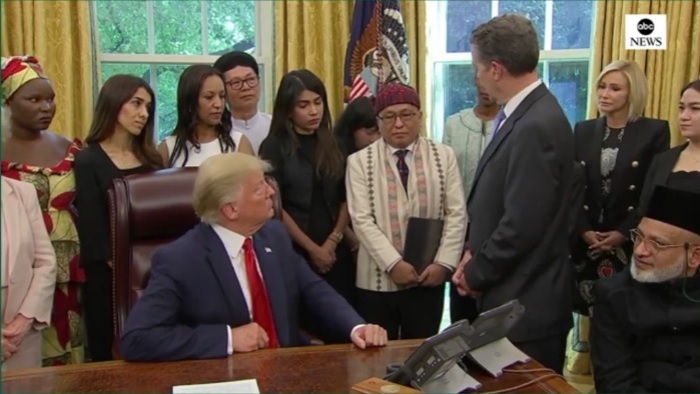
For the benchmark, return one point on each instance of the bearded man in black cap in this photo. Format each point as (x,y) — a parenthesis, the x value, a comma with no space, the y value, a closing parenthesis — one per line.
(645,334)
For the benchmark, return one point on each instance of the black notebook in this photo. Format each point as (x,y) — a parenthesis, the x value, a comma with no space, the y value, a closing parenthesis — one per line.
(422,241)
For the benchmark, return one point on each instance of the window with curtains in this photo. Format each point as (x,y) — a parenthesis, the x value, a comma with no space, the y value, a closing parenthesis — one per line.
(157,40)
(565,34)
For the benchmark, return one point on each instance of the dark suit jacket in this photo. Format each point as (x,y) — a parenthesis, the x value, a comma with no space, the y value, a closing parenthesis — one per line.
(645,336)
(643,139)
(519,218)
(659,170)
(193,295)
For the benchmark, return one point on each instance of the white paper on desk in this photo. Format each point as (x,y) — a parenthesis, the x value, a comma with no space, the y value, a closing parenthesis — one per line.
(249,386)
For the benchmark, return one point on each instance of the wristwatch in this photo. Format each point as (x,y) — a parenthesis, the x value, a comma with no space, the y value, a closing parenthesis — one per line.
(337,235)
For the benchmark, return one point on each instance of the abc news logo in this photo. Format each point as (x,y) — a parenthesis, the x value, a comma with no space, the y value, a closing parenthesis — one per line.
(645,31)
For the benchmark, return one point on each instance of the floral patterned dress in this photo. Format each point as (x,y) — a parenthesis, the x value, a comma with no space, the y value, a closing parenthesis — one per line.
(63,342)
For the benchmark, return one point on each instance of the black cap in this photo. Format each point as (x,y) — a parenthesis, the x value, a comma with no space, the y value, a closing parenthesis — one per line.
(234,59)
(680,208)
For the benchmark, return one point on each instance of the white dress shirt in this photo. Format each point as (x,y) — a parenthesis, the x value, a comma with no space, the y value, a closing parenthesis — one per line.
(233,243)
(255,129)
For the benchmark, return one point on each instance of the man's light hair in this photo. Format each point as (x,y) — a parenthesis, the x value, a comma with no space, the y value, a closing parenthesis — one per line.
(5,122)
(638,86)
(219,181)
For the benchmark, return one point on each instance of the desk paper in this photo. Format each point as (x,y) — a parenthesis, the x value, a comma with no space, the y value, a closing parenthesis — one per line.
(249,386)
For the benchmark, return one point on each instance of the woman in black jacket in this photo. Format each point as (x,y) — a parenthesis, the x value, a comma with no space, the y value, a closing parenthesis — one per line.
(615,150)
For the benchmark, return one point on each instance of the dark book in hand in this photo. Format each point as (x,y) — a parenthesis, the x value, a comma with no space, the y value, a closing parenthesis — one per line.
(423,238)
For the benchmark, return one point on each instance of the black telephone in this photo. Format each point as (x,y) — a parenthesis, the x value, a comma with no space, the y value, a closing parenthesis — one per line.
(434,356)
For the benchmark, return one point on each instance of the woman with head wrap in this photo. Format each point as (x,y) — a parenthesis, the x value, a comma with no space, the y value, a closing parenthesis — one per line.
(33,154)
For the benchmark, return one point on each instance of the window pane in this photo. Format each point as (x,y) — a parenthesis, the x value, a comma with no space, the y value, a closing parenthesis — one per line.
(458,87)
(122,26)
(571,24)
(178,27)
(109,69)
(168,76)
(462,18)
(533,9)
(231,26)
(568,81)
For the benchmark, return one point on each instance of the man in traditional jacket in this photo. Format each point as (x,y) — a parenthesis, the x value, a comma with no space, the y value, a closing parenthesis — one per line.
(645,333)
(403,175)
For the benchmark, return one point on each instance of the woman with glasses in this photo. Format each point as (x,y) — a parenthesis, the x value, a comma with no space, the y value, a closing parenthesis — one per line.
(242,78)
(203,126)
(309,168)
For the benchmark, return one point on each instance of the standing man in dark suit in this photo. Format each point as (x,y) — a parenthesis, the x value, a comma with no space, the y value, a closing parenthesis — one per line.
(517,243)
(233,283)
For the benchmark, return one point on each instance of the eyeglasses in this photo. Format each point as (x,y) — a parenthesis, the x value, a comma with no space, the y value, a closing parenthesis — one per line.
(390,119)
(238,83)
(653,246)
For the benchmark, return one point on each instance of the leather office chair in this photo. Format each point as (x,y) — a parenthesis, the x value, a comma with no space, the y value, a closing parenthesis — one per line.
(146,211)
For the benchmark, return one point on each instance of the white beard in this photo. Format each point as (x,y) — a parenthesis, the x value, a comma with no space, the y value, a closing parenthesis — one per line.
(659,275)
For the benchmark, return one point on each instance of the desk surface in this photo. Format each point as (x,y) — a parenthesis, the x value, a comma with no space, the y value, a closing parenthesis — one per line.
(310,369)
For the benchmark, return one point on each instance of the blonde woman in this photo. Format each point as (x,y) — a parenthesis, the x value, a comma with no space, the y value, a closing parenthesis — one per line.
(616,150)
(28,273)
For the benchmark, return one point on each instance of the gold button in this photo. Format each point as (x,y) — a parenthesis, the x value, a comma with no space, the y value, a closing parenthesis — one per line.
(632,187)
(585,207)
(630,209)
(635,164)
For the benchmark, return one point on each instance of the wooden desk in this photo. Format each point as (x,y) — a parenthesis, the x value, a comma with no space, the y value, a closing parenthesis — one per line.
(310,369)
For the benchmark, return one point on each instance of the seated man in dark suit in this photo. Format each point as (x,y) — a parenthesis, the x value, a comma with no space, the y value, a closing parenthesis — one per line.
(645,334)
(233,283)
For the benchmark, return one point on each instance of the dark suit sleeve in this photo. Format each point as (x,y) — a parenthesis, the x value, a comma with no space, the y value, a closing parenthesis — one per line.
(91,204)
(661,144)
(153,331)
(532,181)
(611,347)
(581,222)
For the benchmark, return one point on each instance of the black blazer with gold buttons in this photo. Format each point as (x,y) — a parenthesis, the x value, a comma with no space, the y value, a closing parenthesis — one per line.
(643,139)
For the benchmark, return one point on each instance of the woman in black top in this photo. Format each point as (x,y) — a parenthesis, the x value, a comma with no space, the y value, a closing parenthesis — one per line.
(310,170)
(119,143)
(678,168)
(355,130)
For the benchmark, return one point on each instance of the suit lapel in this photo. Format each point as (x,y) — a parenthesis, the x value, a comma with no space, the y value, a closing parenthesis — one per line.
(220,263)
(505,130)
(594,153)
(274,284)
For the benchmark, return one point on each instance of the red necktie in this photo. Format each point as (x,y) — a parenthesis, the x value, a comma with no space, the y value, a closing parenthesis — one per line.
(262,313)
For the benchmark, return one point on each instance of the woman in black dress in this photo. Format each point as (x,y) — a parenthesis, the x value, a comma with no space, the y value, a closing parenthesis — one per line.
(309,168)
(120,143)
(615,150)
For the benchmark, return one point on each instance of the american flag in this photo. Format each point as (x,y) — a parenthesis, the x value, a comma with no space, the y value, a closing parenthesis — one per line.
(377,53)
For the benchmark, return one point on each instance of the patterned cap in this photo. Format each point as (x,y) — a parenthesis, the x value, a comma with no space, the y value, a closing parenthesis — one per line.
(16,71)
(395,93)
(679,208)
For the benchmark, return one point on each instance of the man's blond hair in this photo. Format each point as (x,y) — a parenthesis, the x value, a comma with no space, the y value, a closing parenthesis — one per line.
(637,83)
(219,181)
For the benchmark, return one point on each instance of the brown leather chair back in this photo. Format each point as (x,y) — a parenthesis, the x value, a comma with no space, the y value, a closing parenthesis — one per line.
(146,211)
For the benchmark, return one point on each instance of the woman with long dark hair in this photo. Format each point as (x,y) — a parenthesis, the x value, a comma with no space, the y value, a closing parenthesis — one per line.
(309,168)
(203,126)
(119,143)
(357,126)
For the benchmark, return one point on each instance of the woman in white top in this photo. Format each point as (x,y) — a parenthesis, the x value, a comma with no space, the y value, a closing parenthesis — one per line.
(203,126)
